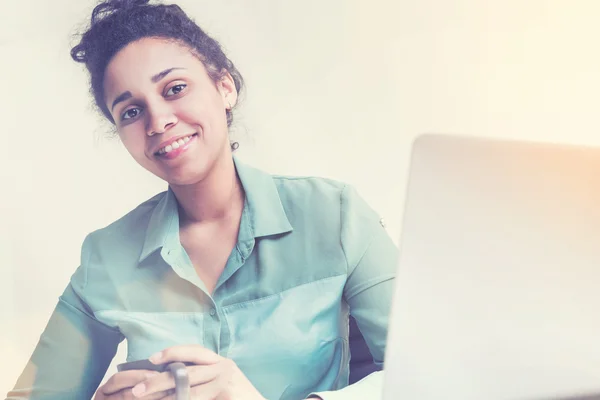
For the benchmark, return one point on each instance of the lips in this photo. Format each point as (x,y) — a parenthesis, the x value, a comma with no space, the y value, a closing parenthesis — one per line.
(175,147)
(173,144)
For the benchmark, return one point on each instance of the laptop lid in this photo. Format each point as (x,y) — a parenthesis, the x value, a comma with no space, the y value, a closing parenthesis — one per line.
(498,287)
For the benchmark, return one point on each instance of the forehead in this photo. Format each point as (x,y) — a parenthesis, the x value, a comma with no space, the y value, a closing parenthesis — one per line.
(137,62)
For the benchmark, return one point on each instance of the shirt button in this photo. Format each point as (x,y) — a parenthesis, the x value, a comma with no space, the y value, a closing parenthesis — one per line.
(213,312)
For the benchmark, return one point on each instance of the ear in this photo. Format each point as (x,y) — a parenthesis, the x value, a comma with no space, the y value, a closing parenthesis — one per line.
(226,86)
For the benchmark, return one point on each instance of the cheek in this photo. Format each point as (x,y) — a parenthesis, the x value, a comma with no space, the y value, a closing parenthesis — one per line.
(206,111)
(135,143)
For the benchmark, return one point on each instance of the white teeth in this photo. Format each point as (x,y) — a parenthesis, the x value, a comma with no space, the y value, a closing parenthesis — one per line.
(175,145)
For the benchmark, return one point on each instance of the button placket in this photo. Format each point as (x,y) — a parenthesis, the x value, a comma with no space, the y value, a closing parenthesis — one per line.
(212,328)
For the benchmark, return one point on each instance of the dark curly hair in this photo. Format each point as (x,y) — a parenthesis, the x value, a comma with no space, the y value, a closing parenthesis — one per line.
(116,23)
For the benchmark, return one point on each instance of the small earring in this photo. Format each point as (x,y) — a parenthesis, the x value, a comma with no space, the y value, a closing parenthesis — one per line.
(230,107)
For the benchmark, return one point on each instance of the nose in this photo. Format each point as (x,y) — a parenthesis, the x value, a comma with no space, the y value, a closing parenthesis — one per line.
(160,119)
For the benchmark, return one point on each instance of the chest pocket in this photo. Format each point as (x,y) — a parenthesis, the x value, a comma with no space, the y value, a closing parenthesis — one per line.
(147,333)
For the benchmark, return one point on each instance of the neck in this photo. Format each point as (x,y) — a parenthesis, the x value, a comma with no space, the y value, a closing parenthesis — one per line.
(214,198)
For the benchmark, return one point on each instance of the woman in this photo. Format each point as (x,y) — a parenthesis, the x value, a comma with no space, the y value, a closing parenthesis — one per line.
(248,277)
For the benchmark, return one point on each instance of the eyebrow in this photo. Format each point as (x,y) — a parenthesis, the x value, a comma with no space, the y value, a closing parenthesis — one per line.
(127,95)
(122,97)
(164,73)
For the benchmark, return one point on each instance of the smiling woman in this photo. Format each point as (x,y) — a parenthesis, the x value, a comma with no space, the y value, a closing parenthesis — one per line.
(166,99)
(247,278)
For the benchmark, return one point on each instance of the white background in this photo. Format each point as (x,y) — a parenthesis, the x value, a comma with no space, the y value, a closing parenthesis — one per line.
(335,88)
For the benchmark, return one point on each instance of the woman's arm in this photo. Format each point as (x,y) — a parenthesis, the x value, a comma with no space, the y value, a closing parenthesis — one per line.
(72,355)
(372,259)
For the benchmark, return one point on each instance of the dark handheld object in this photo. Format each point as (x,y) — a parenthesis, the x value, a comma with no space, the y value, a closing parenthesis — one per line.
(141,364)
(182,380)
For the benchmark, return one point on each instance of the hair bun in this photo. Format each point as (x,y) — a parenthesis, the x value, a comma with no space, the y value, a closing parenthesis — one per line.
(102,11)
(109,7)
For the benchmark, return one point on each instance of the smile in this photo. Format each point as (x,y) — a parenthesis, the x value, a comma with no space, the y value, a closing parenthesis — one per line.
(175,148)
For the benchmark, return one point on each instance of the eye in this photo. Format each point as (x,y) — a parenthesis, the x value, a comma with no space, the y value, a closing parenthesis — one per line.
(175,90)
(130,114)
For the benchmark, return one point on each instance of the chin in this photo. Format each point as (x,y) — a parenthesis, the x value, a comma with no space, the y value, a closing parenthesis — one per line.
(188,171)
(184,178)
(183,182)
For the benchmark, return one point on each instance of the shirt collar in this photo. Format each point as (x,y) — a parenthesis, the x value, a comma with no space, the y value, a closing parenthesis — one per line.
(265,212)
(163,227)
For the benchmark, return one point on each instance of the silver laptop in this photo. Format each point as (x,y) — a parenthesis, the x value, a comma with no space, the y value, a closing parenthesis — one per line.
(498,287)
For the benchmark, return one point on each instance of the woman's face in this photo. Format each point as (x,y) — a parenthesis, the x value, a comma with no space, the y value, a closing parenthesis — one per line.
(169,113)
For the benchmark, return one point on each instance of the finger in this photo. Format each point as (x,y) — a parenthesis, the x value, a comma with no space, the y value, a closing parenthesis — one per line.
(194,354)
(125,379)
(205,391)
(197,375)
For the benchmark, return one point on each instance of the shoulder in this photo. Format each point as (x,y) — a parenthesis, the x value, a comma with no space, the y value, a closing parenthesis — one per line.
(325,209)
(125,230)
(314,201)
(110,252)
(326,202)
(326,192)
(309,188)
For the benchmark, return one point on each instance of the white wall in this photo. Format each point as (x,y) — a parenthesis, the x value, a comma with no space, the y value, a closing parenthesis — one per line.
(337,88)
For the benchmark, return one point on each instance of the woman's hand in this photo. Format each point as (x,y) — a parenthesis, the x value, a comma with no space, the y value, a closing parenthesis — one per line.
(119,386)
(212,376)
